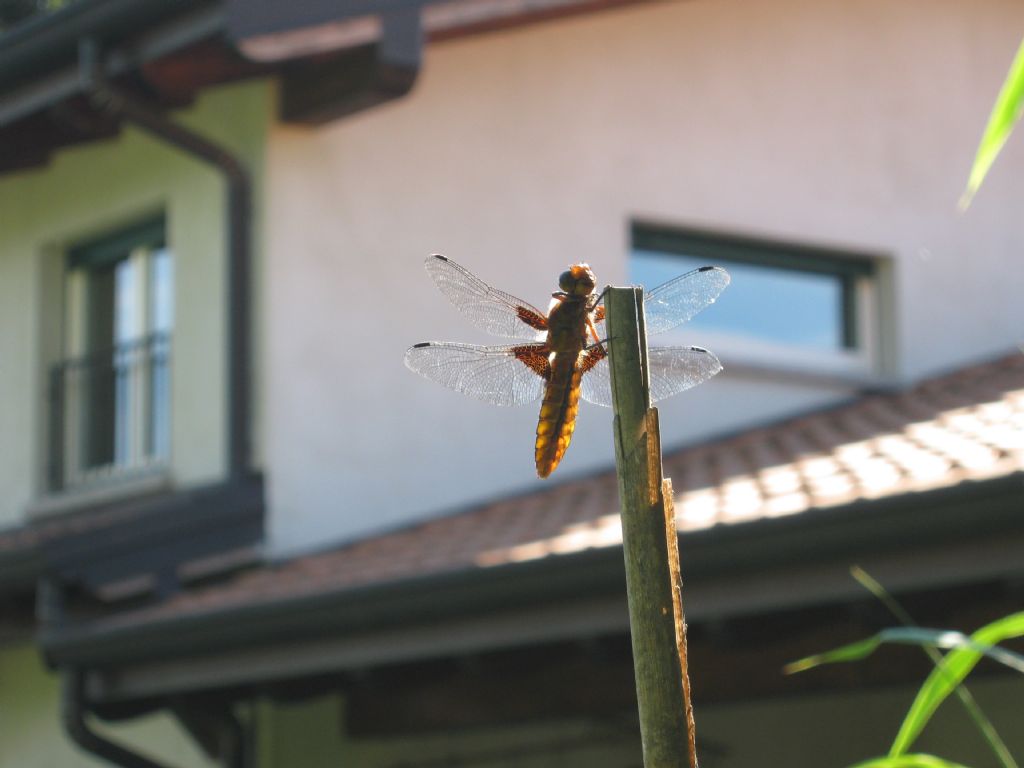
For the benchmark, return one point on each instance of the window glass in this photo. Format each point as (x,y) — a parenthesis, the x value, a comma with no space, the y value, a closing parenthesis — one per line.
(793,298)
(161,291)
(161,320)
(785,306)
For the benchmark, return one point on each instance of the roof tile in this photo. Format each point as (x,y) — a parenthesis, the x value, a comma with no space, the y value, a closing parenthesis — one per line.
(968,425)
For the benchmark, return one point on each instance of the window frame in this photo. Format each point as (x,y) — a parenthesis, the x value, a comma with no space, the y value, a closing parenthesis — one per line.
(859,274)
(136,243)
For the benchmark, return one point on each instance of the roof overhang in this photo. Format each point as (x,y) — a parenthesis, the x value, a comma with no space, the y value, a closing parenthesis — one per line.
(39,59)
(969,534)
(333,58)
(266,30)
(145,545)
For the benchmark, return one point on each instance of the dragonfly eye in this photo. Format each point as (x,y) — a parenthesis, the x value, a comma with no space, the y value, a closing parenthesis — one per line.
(566,281)
(578,280)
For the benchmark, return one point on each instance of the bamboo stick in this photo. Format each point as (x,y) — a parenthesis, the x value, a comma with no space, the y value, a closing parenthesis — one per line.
(650,548)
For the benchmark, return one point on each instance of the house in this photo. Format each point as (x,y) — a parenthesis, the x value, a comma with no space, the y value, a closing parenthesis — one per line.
(235,530)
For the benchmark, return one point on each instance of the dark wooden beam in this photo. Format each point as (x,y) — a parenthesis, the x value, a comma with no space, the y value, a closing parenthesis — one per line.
(539,684)
(80,122)
(29,142)
(323,88)
(17,616)
(177,77)
(731,661)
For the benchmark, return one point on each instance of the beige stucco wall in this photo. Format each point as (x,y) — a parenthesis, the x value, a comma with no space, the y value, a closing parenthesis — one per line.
(816,121)
(92,190)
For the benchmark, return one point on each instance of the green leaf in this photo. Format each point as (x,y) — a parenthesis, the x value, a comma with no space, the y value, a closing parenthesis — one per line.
(851,652)
(935,638)
(956,665)
(908,761)
(1004,115)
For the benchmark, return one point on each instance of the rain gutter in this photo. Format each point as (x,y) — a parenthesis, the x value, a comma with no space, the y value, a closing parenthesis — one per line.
(38,58)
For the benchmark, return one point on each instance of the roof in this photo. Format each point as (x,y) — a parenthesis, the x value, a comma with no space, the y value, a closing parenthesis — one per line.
(963,428)
(330,57)
(138,540)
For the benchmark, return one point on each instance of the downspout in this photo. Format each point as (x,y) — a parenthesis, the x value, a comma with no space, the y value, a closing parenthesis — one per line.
(107,97)
(73,714)
(239,203)
(218,732)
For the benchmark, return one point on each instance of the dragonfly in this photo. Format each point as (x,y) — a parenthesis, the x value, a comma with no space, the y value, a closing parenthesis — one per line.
(562,354)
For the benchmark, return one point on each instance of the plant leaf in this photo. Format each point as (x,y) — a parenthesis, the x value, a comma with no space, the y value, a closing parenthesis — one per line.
(908,761)
(1004,115)
(935,638)
(974,711)
(851,652)
(956,665)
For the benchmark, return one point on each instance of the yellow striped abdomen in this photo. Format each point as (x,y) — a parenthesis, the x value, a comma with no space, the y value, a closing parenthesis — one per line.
(557,413)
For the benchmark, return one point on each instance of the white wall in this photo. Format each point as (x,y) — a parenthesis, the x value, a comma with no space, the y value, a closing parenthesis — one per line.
(818,121)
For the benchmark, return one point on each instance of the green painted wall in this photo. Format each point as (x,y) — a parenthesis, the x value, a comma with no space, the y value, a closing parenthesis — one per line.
(31,735)
(93,189)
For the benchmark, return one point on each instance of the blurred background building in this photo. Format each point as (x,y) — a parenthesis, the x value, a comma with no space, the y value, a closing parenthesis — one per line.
(235,531)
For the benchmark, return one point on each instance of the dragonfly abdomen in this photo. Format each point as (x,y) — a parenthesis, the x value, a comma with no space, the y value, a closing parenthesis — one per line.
(557,413)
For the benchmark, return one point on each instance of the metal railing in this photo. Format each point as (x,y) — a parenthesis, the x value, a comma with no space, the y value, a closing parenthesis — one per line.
(110,412)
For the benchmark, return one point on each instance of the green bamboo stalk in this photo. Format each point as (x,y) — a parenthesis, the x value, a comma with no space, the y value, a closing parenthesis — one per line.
(653,583)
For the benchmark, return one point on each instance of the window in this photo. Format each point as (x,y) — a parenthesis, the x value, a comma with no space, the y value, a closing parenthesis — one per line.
(111,392)
(787,303)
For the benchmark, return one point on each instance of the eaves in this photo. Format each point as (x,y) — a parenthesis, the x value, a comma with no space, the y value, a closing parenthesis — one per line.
(48,42)
(970,534)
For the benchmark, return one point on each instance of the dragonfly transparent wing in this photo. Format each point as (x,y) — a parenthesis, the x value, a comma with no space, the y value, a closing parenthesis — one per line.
(673,370)
(495,311)
(677,301)
(506,375)
(673,303)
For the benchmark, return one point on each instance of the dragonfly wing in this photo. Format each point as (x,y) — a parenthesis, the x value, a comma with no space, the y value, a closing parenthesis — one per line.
(672,370)
(495,311)
(596,384)
(676,369)
(506,375)
(673,303)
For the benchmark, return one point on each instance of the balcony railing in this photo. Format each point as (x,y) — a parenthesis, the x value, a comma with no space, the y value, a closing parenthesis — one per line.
(110,412)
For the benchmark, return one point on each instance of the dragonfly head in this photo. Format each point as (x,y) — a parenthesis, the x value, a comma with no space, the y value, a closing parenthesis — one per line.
(578,280)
